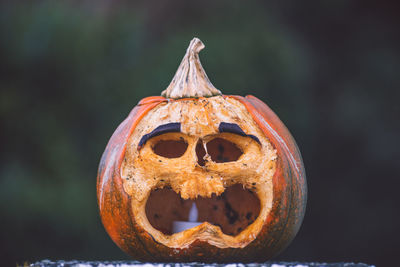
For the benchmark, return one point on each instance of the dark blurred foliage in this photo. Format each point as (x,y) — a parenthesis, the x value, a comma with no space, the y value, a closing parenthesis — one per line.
(70,71)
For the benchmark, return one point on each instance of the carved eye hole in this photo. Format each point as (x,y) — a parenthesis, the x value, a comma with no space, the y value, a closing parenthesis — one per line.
(222,150)
(170,148)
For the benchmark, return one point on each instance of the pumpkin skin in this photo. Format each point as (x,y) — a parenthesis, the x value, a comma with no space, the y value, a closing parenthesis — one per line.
(275,231)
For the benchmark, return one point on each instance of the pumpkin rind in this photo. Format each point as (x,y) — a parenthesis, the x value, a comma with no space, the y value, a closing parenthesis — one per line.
(112,200)
(283,221)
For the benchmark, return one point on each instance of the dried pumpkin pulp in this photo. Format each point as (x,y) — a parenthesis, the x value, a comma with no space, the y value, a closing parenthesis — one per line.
(224,165)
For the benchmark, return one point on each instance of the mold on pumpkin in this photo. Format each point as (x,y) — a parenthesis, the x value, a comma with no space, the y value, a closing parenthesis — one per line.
(229,156)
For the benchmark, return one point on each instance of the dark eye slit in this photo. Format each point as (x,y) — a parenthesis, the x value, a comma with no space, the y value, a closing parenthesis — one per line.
(225,127)
(165,128)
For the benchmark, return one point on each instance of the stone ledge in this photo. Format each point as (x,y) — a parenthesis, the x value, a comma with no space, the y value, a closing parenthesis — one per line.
(76,263)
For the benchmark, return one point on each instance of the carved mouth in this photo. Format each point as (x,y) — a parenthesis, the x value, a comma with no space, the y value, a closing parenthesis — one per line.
(232,211)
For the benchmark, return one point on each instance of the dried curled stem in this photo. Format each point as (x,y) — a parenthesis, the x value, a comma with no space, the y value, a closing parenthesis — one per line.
(190,79)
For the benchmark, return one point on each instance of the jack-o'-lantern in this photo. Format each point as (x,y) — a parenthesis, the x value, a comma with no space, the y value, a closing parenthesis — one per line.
(195,175)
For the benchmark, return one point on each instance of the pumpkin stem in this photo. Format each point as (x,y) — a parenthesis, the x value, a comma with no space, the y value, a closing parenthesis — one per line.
(190,79)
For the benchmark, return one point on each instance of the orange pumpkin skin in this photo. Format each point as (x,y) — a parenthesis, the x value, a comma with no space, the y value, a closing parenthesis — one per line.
(280,227)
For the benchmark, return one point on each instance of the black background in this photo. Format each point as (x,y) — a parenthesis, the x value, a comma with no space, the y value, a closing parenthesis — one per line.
(70,71)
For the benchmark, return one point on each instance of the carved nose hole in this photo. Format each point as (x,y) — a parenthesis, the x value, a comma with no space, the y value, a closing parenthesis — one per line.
(222,150)
(200,153)
(170,148)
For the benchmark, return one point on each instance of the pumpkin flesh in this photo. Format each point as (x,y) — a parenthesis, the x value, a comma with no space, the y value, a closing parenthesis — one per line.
(173,168)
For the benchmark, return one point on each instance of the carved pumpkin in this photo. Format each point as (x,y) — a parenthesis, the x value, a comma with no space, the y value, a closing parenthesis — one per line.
(230,157)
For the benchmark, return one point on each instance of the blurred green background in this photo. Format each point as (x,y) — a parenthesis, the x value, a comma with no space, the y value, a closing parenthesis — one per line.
(70,72)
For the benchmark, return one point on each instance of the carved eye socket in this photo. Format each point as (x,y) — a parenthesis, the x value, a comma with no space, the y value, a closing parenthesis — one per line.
(170,148)
(222,150)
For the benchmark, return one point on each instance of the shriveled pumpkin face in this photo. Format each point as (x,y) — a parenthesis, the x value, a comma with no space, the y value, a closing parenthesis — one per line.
(195,175)
(205,151)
